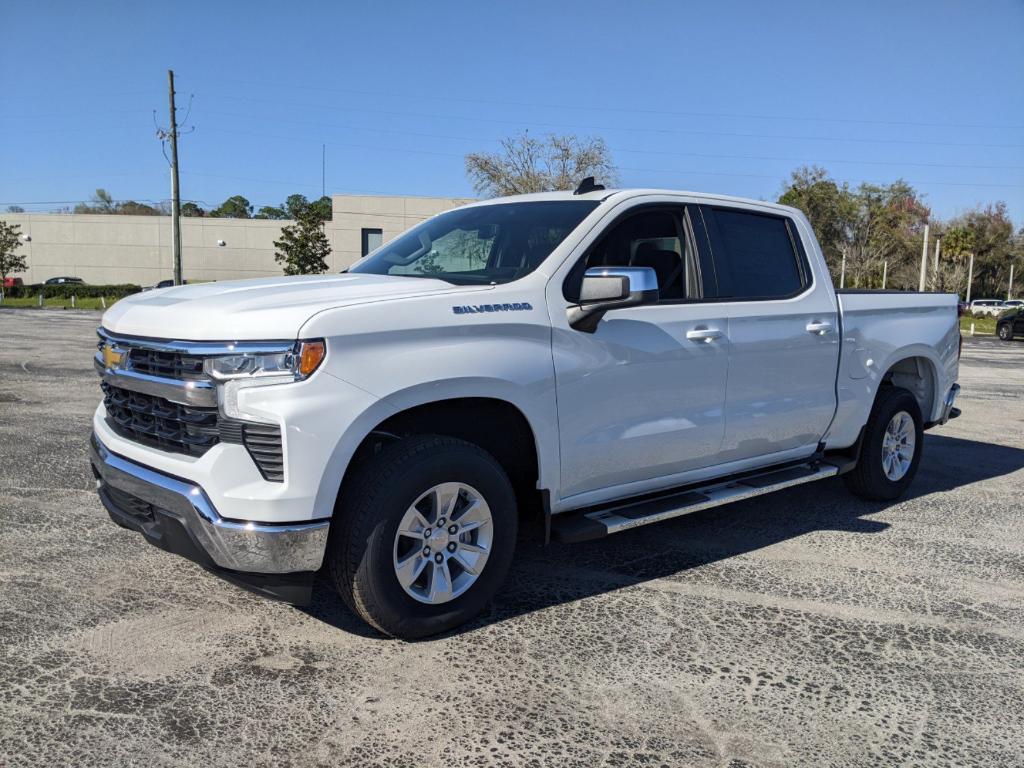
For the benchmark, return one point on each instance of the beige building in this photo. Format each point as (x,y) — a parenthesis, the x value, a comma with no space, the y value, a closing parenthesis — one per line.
(105,249)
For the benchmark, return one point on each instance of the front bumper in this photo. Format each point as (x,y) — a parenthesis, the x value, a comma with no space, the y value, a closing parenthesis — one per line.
(176,515)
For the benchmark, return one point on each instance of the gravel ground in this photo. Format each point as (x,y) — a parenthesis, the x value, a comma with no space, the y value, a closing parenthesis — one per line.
(804,628)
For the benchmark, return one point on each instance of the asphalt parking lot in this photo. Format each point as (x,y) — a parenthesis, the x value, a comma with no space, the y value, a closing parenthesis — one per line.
(804,628)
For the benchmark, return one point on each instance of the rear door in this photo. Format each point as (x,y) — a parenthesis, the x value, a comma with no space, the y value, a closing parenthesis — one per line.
(783,333)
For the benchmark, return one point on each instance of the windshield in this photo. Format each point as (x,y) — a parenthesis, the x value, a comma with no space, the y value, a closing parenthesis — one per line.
(485,244)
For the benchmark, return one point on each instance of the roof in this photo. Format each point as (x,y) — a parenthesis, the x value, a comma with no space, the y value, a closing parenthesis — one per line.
(623,194)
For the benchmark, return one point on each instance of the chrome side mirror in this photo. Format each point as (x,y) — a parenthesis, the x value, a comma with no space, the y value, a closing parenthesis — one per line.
(605,288)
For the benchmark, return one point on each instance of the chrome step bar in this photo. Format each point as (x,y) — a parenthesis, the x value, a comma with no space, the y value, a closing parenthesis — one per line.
(582,526)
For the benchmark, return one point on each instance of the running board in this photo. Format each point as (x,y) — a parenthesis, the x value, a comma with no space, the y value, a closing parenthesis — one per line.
(583,525)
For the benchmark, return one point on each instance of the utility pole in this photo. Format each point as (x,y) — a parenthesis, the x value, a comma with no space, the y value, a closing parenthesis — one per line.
(842,273)
(924,260)
(323,170)
(970,276)
(935,267)
(885,271)
(175,194)
(1009,288)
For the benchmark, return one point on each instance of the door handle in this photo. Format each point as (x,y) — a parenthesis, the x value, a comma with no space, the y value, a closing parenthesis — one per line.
(703,334)
(820,328)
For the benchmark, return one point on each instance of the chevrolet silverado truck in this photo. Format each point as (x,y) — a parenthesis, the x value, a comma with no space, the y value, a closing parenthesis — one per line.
(583,362)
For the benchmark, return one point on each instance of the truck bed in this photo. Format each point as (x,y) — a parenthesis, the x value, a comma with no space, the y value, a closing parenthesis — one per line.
(880,327)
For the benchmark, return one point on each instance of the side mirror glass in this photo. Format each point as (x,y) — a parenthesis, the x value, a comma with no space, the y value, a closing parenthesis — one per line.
(605,288)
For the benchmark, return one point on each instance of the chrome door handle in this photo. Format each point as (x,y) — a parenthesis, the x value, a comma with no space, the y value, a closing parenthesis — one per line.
(703,334)
(820,328)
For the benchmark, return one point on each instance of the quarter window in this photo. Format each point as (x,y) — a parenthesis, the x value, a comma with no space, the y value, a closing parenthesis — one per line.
(756,255)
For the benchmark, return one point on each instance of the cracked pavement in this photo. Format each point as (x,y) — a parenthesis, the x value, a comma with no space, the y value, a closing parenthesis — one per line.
(801,628)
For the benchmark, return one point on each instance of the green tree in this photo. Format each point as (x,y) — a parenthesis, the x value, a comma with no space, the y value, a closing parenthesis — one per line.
(527,164)
(303,248)
(132,208)
(875,227)
(102,202)
(10,261)
(295,206)
(323,208)
(192,210)
(235,207)
(271,212)
(993,243)
(15,209)
(829,207)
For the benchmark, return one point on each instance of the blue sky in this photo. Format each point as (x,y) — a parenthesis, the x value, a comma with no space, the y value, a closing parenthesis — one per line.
(724,96)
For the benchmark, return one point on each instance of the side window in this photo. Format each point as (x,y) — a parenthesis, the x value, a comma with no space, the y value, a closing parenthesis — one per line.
(756,255)
(648,239)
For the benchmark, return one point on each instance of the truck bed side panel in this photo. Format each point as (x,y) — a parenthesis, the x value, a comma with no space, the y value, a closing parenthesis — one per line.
(881,329)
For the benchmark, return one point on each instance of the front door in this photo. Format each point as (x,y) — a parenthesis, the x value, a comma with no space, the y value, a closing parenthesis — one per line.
(642,397)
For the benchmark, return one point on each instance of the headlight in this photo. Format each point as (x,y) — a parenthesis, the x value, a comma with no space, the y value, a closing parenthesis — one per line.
(258,369)
(292,365)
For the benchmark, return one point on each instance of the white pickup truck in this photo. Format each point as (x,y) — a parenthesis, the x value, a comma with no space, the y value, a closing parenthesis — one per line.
(588,361)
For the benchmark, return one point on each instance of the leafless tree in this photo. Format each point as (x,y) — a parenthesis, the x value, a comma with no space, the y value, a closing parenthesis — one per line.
(528,164)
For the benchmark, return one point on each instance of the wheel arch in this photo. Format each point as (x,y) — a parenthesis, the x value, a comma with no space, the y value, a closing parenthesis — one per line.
(518,434)
(919,375)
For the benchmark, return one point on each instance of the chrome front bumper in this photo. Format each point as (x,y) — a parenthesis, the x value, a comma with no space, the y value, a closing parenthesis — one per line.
(163,508)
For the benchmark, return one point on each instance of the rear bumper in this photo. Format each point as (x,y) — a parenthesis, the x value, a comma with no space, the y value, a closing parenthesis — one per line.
(176,515)
(949,411)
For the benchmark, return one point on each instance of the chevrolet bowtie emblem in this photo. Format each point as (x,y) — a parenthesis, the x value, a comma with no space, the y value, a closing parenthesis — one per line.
(112,357)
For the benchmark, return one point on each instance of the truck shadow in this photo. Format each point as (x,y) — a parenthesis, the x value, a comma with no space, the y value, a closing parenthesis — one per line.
(542,577)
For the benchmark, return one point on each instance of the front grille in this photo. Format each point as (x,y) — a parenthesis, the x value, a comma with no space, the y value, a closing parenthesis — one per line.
(160,423)
(169,426)
(169,365)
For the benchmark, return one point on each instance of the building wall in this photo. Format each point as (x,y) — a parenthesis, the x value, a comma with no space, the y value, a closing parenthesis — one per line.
(104,249)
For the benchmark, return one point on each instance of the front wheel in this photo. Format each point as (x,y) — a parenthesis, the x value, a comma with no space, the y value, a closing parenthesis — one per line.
(1006,332)
(423,535)
(891,449)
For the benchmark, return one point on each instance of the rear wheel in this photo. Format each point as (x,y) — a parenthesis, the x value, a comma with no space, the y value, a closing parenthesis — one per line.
(1006,332)
(891,449)
(423,536)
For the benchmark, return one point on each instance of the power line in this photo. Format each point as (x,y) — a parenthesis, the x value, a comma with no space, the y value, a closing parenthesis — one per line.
(369,148)
(630,110)
(667,131)
(342,126)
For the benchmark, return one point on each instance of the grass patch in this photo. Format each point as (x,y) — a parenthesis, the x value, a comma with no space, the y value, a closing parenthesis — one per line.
(33,303)
(982,325)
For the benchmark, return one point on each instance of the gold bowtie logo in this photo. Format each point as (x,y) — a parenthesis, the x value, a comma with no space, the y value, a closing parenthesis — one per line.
(111,357)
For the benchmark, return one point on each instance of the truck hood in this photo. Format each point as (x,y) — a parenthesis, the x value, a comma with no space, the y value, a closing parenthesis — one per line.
(264,308)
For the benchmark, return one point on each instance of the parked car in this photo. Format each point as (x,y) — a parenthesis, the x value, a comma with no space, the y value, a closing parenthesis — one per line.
(64,281)
(1010,324)
(594,361)
(1013,304)
(986,307)
(12,282)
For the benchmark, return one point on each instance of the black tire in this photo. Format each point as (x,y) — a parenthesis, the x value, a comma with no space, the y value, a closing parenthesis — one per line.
(361,548)
(868,479)
(1005,331)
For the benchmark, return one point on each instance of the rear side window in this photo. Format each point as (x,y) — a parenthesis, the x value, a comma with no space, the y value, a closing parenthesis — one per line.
(756,256)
